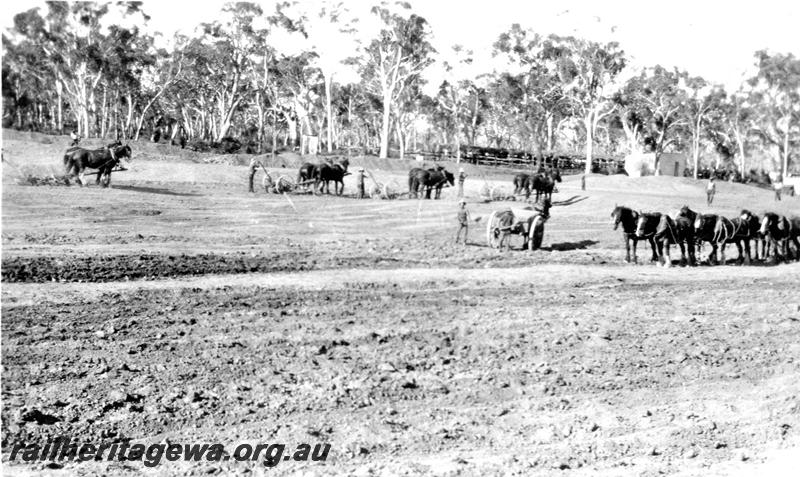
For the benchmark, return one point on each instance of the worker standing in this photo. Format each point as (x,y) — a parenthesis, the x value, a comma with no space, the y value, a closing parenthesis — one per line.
(461,177)
(778,186)
(463,220)
(360,183)
(252,171)
(711,189)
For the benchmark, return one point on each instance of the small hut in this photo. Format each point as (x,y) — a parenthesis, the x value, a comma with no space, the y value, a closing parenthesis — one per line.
(643,164)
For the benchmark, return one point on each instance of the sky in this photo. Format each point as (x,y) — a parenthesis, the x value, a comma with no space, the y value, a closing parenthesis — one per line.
(713,39)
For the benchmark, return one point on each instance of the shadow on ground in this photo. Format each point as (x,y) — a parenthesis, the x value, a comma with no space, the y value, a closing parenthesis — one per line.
(572,200)
(565,246)
(155,190)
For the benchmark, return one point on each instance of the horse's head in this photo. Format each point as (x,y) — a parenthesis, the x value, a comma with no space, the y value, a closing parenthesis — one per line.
(688,214)
(616,216)
(124,151)
(345,163)
(449,177)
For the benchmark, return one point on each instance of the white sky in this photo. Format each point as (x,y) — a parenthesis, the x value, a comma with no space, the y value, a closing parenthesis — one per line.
(714,39)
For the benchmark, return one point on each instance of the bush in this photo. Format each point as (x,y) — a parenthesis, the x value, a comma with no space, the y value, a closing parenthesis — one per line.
(228,145)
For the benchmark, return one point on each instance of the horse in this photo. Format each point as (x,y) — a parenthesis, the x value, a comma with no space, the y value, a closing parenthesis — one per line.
(663,231)
(306,174)
(77,160)
(685,233)
(331,172)
(429,179)
(778,231)
(719,231)
(544,184)
(704,227)
(628,217)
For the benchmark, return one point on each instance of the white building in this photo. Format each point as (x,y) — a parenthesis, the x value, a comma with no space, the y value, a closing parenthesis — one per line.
(643,164)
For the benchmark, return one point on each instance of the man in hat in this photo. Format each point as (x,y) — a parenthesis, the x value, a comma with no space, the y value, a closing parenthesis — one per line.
(252,171)
(75,138)
(463,220)
(360,183)
(778,187)
(711,189)
(461,177)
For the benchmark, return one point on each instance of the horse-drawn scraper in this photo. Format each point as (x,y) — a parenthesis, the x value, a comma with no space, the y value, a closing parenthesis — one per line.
(518,221)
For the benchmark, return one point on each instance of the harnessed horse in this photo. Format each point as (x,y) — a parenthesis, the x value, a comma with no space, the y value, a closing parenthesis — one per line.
(778,231)
(720,231)
(331,172)
(663,231)
(77,160)
(628,217)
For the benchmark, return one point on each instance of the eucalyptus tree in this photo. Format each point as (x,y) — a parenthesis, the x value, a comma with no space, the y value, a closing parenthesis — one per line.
(702,102)
(588,72)
(534,82)
(653,104)
(70,51)
(328,28)
(394,61)
(776,91)
(730,125)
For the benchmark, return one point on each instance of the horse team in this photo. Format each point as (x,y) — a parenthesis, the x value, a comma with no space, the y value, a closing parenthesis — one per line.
(543,182)
(773,233)
(322,174)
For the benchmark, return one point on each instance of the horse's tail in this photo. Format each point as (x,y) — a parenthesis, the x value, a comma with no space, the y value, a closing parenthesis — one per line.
(412,183)
(67,163)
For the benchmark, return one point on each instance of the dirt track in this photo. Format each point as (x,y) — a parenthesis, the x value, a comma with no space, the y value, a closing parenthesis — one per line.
(359,324)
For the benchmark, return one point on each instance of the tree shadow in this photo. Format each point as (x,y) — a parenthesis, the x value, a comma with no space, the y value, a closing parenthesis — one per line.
(156,190)
(566,246)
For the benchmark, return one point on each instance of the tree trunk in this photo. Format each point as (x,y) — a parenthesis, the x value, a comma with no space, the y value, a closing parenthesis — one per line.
(696,146)
(589,122)
(104,109)
(740,143)
(785,165)
(387,102)
(457,136)
(328,113)
(400,142)
(60,107)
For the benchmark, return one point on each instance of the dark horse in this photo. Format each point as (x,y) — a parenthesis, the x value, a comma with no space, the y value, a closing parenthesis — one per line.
(665,232)
(719,231)
(429,179)
(77,160)
(544,184)
(778,231)
(327,172)
(628,217)
(306,174)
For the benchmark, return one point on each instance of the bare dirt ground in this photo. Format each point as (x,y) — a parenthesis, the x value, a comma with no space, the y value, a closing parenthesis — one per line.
(218,315)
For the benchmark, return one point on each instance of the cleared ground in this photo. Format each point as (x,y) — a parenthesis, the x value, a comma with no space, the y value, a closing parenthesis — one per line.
(359,323)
